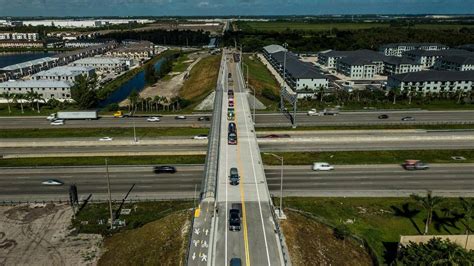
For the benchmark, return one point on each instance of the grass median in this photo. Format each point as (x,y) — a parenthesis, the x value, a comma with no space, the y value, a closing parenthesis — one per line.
(117,160)
(381,221)
(370,157)
(143,132)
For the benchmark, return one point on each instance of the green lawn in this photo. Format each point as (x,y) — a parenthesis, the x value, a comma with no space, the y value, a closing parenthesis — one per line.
(142,132)
(369,157)
(117,160)
(381,221)
(261,78)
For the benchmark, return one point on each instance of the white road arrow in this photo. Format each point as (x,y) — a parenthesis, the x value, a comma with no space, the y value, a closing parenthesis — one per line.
(194,255)
(204,245)
(196,231)
(207,231)
(196,242)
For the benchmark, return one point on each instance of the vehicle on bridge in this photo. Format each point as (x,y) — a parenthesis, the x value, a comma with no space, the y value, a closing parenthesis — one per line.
(232,127)
(232,138)
(408,118)
(70,115)
(235,262)
(415,165)
(235,214)
(52,182)
(384,116)
(230,93)
(58,122)
(234,176)
(231,102)
(230,113)
(153,119)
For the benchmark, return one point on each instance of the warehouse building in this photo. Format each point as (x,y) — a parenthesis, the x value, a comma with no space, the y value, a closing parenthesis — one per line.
(433,81)
(398,49)
(48,89)
(104,64)
(64,73)
(399,65)
(455,63)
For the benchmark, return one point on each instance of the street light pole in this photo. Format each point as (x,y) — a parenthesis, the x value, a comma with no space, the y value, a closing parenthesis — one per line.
(110,196)
(134,132)
(280,210)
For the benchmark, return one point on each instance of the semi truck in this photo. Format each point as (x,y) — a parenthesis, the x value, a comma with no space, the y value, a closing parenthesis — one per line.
(71,115)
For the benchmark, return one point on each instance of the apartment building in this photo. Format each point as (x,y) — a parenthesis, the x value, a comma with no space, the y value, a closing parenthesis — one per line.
(64,73)
(28,36)
(20,44)
(104,64)
(398,49)
(48,89)
(428,58)
(331,58)
(455,63)
(357,68)
(433,81)
(399,65)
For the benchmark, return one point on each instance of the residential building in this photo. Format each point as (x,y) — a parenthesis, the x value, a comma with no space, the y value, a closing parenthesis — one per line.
(139,51)
(20,44)
(64,73)
(397,49)
(428,58)
(104,64)
(83,43)
(455,63)
(399,65)
(29,67)
(433,81)
(331,58)
(48,89)
(70,56)
(357,68)
(25,36)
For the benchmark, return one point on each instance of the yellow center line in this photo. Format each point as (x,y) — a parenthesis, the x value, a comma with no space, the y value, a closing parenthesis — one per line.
(242,194)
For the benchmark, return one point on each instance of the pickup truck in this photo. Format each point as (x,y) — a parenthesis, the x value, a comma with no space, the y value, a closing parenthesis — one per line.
(122,114)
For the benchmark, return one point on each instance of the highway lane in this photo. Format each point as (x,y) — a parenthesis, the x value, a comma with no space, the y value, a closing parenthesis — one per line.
(262,120)
(345,180)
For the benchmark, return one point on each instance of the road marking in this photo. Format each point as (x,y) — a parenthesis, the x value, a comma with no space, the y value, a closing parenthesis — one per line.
(226,186)
(256,186)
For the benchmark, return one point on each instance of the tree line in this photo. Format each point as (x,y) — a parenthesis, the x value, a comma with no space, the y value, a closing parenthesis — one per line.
(163,37)
(373,38)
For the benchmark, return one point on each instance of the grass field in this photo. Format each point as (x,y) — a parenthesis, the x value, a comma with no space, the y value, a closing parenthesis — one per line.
(116,160)
(162,242)
(202,80)
(142,132)
(369,157)
(381,221)
(324,26)
(261,78)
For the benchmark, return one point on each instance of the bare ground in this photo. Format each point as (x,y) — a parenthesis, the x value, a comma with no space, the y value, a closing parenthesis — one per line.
(39,234)
(312,243)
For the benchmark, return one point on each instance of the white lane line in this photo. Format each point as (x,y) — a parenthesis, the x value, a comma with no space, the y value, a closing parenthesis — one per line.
(255,178)
(226,167)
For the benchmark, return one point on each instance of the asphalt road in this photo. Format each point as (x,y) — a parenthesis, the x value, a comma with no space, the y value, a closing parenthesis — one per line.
(345,180)
(262,120)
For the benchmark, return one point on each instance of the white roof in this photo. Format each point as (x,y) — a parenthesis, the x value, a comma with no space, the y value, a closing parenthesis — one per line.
(64,71)
(274,48)
(100,60)
(29,63)
(35,84)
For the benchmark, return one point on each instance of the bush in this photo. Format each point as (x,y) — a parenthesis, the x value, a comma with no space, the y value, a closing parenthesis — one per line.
(342,232)
(112,107)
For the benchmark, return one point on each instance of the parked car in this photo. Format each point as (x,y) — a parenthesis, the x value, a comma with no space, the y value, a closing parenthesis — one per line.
(321,166)
(234,176)
(164,169)
(415,165)
(200,136)
(384,116)
(153,119)
(58,122)
(408,118)
(52,182)
(106,139)
(180,117)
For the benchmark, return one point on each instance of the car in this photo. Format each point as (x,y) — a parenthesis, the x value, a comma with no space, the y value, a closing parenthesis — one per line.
(153,119)
(415,165)
(204,118)
(275,136)
(408,118)
(235,262)
(384,116)
(180,117)
(232,127)
(164,169)
(200,136)
(234,220)
(232,138)
(321,166)
(312,112)
(234,176)
(52,182)
(106,139)
(51,117)
(58,122)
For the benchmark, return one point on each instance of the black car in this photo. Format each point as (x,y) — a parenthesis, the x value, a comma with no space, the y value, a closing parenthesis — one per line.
(234,220)
(232,127)
(204,118)
(234,176)
(383,116)
(164,169)
(235,262)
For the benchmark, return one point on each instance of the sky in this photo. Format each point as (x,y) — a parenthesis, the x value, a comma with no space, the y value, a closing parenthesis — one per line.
(229,7)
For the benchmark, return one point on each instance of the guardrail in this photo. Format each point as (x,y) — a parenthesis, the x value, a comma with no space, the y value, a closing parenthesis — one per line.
(281,237)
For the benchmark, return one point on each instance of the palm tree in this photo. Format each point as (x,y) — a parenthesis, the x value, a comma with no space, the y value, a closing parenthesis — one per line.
(148,104)
(133,99)
(30,97)
(18,98)
(460,95)
(429,203)
(395,93)
(321,93)
(7,96)
(156,100)
(468,208)
(38,98)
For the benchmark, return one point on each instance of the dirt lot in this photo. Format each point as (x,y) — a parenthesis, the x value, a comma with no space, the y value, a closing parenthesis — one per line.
(39,234)
(311,243)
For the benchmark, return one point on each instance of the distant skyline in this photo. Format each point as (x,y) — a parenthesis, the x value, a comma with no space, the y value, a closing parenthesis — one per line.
(229,7)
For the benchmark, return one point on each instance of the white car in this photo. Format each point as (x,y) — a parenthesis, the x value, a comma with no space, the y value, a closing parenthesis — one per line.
(153,119)
(52,182)
(57,122)
(321,166)
(313,112)
(106,139)
(180,117)
(201,136)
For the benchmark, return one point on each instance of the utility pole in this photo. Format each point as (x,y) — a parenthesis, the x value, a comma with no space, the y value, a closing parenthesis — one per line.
(110,196)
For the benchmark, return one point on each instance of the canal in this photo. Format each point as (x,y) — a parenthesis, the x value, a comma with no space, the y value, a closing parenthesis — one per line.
(136,83)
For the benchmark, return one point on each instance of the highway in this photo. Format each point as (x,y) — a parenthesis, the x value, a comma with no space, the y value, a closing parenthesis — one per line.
(262,120)
(345,180)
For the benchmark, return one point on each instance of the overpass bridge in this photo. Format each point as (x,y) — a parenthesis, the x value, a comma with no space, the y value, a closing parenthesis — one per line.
(259,241)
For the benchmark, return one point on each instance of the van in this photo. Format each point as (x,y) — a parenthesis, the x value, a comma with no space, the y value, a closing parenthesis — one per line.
(234,176)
